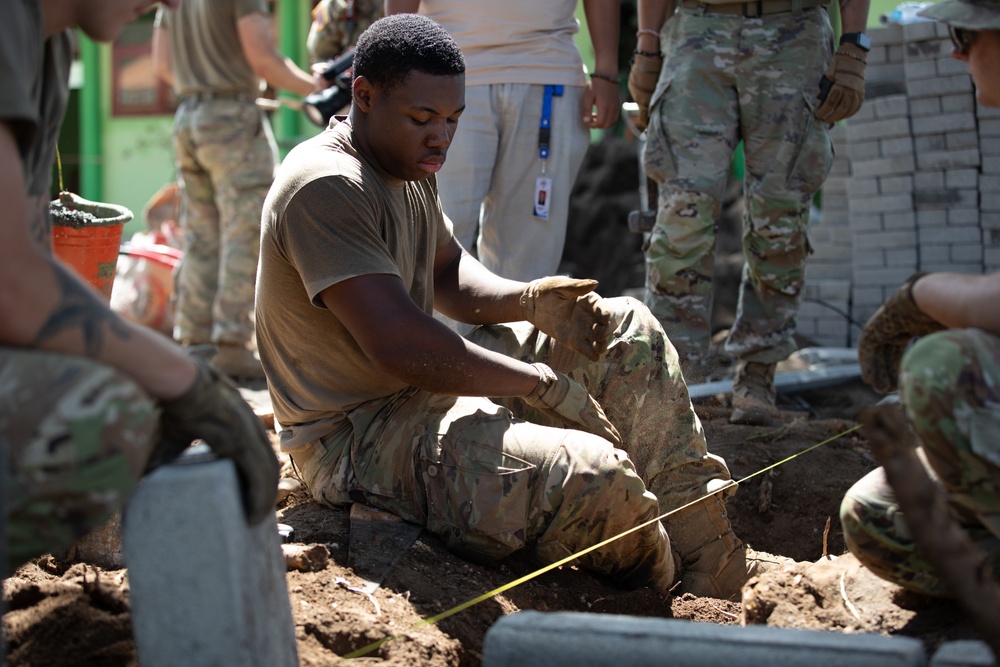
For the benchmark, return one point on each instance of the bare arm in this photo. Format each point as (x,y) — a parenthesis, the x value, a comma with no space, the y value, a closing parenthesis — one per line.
(652,15)
(602,20)
(401,6)
(958,300)
(43,305)
(854,15)
(403,341)
(467,291)
(161,57)
(261,50)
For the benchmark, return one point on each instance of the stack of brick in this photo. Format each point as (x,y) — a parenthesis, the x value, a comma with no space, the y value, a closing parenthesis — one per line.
(988,120)
(923,181)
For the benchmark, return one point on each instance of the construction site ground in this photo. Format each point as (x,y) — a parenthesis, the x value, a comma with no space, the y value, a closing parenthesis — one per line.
(65,613)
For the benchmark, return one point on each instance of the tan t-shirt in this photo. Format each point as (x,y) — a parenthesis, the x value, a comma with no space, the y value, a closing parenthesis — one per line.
(331,215)
(205,46)
(34,80)
(513,41)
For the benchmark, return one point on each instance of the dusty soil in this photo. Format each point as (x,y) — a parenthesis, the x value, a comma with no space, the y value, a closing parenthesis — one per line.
(61,613)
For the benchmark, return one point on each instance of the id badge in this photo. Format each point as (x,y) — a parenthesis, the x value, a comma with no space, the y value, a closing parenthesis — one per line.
(543,194)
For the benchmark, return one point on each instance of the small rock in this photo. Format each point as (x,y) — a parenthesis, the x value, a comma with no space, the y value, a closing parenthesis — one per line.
(305,557)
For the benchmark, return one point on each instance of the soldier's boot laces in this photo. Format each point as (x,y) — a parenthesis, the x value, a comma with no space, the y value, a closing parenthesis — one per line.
(713,560)
(237,362)
(754,395)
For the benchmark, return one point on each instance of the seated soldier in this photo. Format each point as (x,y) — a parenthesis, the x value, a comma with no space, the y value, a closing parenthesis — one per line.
(551,432)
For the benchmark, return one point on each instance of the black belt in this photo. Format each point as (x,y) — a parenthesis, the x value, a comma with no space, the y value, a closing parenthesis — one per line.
(754,9)
(207,95)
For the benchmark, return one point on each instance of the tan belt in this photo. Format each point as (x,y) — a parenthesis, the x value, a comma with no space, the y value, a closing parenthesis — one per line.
(753,9)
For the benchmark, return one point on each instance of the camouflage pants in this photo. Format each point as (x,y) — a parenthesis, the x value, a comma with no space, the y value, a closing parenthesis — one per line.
(950,387)
(77,437)
(728,78)
(226,156)
(490,477)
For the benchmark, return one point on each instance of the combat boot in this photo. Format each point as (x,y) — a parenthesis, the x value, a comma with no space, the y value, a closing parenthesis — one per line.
(754,395)
(237,362)
(713,560)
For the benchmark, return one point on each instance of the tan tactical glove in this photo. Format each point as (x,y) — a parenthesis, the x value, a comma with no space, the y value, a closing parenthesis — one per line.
(570,311)
(642,78)
(842,89)
(214,411)
(887,335)
(567,401)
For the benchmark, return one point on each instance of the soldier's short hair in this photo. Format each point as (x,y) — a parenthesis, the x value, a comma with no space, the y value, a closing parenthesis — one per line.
(396,45)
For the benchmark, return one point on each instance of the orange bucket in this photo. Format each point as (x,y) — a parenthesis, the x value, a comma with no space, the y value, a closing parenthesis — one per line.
(87,235)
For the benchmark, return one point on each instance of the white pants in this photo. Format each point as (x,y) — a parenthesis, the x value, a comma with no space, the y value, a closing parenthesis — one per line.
(487,184)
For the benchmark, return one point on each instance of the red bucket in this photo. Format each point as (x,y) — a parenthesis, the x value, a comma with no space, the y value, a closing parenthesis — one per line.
(86,235)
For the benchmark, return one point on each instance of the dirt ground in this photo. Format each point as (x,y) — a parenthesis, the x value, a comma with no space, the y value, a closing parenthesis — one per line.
(61,613)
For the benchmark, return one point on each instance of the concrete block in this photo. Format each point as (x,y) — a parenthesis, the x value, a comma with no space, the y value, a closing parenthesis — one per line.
(989,127)
(930,142)
(989,219)
(989,200)
(917,32)
(987,112)
(939,85)
(949,235)
(971,253)
(920,69)
(935,253)
(990,146)
(891,106)
(962,653)
(887,34)
(950,67)
(963,216)
(884,203)
(865,114)
(959,102)
(890,185)
(864,259)
(864,222)
(865,150)
(884,166)
(966,157)
(576,639)
(964,139)
(962,178)
(927,106)
(206,588)
(899,220)
(857,187)
(929,179)
(951,122)
(895,147)
(931,218)
(900,257)
(990,165)
(878,129)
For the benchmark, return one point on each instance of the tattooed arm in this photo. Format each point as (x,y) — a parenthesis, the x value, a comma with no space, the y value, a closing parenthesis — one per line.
(43,305)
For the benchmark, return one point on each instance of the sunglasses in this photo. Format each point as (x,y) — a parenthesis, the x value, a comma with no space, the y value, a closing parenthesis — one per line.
(962,38)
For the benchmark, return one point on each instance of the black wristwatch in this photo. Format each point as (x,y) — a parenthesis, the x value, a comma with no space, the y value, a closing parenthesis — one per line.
(859,39)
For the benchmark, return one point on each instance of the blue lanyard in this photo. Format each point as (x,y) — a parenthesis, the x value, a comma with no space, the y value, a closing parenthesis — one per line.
(545,126)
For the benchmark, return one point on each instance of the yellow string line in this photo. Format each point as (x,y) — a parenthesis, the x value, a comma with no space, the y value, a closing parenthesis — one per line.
(551,566)
(59,168)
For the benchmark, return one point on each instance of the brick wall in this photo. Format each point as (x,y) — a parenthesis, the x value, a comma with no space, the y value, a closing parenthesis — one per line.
(915,184)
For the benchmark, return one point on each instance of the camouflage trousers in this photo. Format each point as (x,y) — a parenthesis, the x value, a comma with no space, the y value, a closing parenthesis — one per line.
(729,78)
(950,387)
(77,437)
(491,477)
(337,24)
(226,156)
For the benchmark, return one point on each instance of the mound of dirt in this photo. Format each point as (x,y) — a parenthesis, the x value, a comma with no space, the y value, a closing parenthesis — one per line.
(62,614)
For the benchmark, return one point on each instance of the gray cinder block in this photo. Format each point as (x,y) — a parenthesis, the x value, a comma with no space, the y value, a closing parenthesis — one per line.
(206,588)
(599,640)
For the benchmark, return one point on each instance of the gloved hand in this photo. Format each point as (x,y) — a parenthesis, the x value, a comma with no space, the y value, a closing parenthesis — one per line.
(566,400)
(214,411)
(843,89)
(642,78)
(570,311)
(887,335)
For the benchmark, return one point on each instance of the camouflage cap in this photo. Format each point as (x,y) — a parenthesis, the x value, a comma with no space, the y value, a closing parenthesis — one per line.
(969,14)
